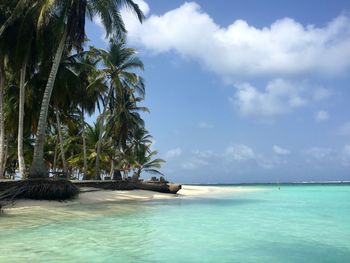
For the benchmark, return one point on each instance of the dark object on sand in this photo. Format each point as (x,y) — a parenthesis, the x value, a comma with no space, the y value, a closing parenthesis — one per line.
(162,187)
(159,187)
(40,189)
(117,175)
(48,189)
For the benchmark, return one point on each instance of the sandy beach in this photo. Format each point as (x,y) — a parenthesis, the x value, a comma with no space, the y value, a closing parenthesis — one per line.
(94,195)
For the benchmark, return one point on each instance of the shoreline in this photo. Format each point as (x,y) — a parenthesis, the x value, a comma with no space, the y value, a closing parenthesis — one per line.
(91,195)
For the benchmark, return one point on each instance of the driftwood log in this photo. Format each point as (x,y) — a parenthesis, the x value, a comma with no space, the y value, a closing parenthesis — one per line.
(159,187)
(46,189)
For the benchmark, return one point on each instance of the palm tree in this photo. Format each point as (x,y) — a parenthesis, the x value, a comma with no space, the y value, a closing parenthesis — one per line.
(64,98)
(72,14)
(90,91)
(143,161)
(119,64)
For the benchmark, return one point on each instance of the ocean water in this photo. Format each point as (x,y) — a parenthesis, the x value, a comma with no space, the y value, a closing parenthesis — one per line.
(293,224)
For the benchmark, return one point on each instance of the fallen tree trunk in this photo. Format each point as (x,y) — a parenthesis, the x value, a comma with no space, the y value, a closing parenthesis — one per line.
(159,187)
(30,189)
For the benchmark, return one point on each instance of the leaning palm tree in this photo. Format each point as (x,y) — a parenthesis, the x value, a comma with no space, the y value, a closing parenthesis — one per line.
(143,161)
(72,31)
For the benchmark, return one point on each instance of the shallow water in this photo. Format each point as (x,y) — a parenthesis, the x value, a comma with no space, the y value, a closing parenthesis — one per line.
(294,224)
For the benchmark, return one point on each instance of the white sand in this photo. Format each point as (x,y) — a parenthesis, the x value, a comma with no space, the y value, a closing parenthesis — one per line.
(93,196)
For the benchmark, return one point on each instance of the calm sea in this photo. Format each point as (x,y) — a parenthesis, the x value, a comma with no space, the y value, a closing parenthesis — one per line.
(298,223)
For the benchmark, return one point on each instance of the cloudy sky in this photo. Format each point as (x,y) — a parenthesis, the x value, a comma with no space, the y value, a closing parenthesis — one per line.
(246,91)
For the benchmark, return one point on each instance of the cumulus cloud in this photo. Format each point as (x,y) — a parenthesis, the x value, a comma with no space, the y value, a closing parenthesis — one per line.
(279,97)
(173,153)
(279,150)
(194,163)
(204,125)
(286,47)
(321,153)
(130,19)
(338,156)
(198,159)
(240,152)
(204,154)
(321,115)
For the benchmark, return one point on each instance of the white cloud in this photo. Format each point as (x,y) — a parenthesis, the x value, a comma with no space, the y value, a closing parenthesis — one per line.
(344,129)
(130,19)
(240,152)
(321,115)
(280,151)
(204,125)
(198,159)
(279,97)
(173,153)
(204,154)
(320,153)
(285,47)
(194,163)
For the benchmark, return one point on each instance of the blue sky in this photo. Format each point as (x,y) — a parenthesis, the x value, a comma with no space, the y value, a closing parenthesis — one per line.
(253,91)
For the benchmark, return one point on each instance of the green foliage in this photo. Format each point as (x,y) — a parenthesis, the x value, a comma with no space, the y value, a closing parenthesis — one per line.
(89,80)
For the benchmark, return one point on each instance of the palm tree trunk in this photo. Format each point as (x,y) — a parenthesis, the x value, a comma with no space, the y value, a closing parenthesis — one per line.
(2,120)
(99,142)
(38,169)
(21,163)
(112,169)
(55,156)
(84,142)
(6,151)
(60,137)
(7,23)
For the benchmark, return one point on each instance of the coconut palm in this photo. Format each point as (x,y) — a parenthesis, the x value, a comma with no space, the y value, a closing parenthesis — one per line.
(119,64)
(90,91)
(125,119)
(143,161)
(72,14)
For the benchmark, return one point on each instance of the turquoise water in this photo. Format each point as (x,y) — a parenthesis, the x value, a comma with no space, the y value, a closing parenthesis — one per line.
(294,224)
